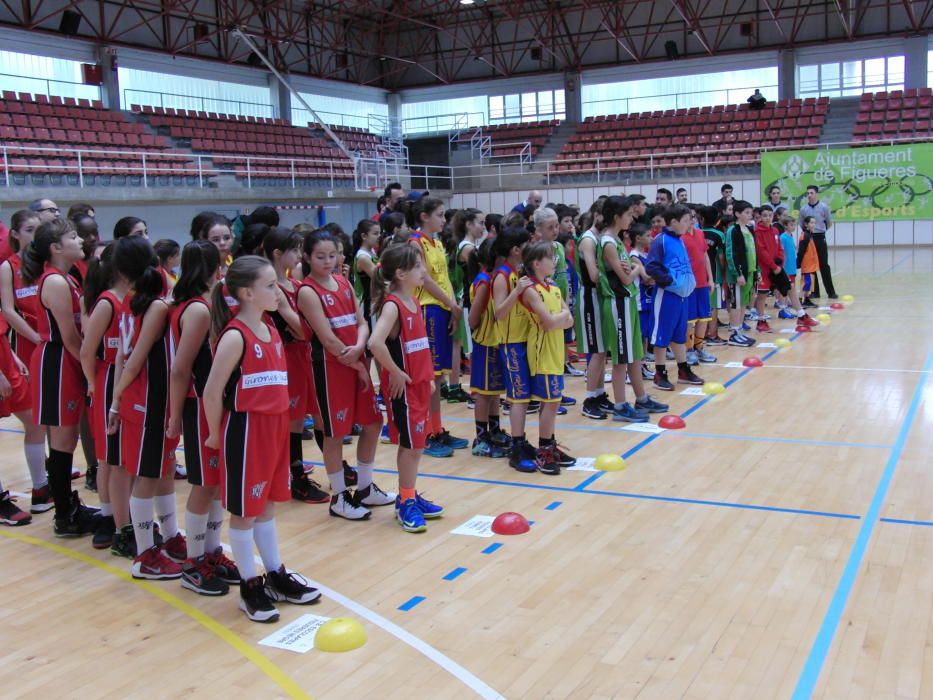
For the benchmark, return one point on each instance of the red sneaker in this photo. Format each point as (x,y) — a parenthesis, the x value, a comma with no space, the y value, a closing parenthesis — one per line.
(176,548)
(41,500)
(154,565)
(224,567)
(763,327)
(10,514)
(808,320)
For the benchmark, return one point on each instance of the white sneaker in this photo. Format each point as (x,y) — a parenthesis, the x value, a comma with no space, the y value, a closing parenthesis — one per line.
(752,315)
(344,505)
(692,358)
(372,495)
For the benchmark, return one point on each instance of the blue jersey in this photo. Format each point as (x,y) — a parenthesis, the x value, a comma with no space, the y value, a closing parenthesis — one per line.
(645,291)
(790,254)
(669,265)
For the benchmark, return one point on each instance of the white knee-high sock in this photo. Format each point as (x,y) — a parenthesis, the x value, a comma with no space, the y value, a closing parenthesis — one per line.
(35,460)
(215,522)
(196,532)
(241,542)
(267,542)
(168,518)
(142,513)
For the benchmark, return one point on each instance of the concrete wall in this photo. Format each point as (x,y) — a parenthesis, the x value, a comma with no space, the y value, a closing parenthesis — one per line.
(842,234)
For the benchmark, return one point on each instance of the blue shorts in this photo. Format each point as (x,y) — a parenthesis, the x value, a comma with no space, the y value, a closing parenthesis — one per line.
(437,323)
(646,317)
(514,359)
(485,371)
(698,305)
(670,319)
(547,388)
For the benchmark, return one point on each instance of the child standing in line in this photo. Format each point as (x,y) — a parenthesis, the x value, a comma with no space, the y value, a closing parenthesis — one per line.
(742,267)
(669,265)
(343,389)
(246,402)
(549,316)
(640,240)
(809,265)
(207,570)
(716,252)
(468,231)
(140,409)
(792,308)
(485,369)
(699,313)
(441,315)
(400,345)
(770,257)
(365,257)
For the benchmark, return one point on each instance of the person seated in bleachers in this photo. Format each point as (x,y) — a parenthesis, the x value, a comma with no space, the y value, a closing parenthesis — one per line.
(757,100)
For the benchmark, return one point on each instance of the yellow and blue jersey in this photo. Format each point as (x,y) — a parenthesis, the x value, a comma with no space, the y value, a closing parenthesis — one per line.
(516,326)
(546,347)
(487,330)
(435,259)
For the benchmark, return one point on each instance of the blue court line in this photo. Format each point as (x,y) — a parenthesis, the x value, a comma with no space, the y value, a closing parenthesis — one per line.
(455,573)
(410,603)
(898,263)
(898,521)
(553,506)
(824,638)
(491,548)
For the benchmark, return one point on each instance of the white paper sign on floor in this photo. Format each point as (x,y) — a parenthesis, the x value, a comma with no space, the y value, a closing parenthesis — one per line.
(477,526)
(584,464)
(607,377)
(297,636)
(643,428)
(767,345)
(692,391)
(787,330)
(826,308)
(734,365)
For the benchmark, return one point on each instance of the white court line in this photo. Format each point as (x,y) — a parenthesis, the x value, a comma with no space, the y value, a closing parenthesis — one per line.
(445,662)
(845,369)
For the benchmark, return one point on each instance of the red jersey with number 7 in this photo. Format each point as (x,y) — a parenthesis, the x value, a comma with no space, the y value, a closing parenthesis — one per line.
(410,349)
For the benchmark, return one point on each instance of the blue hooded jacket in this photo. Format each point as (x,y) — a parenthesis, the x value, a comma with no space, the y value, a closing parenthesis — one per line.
(669,265)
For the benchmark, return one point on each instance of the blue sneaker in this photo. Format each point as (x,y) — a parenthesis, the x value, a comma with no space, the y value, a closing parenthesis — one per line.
(384,435)
(445,438)
(523,457)
(561,411)
(746,327)
(568,401)
(433,448)
(649,405)
(626,412)
(483,447)
(428,509)
(309,423)
(786,314)
(409,515)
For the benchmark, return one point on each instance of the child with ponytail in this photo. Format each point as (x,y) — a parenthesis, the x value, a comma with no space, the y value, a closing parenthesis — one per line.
(400,345)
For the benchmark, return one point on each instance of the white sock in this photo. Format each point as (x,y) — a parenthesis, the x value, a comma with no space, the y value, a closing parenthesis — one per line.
(365,475)
(215,522)
(337,483)
(35,460)
(142,513)
(241,542)
(800,313)
(168,519)
(593,394)
(105,509)
(267,542)
(196,532)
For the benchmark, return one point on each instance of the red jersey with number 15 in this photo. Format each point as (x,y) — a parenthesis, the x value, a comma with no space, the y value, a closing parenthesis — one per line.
(410,349)
(259,384)
(340,309)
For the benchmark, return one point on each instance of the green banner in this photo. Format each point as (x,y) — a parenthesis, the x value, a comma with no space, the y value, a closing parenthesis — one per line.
(858,184)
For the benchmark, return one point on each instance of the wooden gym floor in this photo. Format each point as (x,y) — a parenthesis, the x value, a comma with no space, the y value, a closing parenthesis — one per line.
(780,545)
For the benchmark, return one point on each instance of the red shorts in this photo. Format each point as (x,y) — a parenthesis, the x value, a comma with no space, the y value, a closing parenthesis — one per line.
(19,398)
(201,462)
(146,451)
(343,400)
(23,348)
(408,414)
(57,384)
(106,446)
(254,462)
(300,390)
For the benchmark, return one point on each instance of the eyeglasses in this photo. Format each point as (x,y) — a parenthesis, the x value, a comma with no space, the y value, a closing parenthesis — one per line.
(54,210)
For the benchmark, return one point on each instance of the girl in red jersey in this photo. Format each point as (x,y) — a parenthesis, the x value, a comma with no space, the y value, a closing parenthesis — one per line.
(344,392)
(140,410)
(400,345)
(58,389)
(18,301)
(282,247)
(207,570)
(103,297)
(246,401)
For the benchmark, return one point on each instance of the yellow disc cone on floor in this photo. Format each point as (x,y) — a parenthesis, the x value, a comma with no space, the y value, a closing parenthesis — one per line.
(847,298)
(713,388)
(340,634)
(823,318)
(609,463)
(782,342)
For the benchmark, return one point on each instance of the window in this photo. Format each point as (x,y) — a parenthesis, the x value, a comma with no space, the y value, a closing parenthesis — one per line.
(143,87)
(339,111)
(443,115)
(40,75)
(678,92)
(527,107)
(851,78)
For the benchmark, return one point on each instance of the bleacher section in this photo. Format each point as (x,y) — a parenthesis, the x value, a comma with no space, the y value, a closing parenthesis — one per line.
(47,137)
(732,134)
(277,152)
(509,140)
(895,115)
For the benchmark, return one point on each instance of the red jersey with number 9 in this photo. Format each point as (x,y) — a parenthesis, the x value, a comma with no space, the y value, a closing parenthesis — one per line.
(259,384)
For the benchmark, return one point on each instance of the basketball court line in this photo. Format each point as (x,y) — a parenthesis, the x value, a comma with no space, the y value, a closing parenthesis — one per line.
(231,638)
(898,263)
(816,659)
(900,521)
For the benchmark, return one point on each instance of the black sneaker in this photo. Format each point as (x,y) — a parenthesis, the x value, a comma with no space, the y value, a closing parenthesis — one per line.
(546,460)
(103,535)
(564,459)
(255,601)
(522,457)
(10,514)
(290,587)
(592,409)
(661,382)
(605,403)
(534,406)
(81,520)
(456,394)
(308,491)
(500,438)
(90,479)
(199,575)
(686,376)
(224,567)
(124,543)
(350,477)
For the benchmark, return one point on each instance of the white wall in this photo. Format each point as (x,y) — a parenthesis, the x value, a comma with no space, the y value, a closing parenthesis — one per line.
(842,234)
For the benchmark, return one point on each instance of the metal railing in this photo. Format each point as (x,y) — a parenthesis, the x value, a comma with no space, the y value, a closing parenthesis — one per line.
(438,123)
(334,118)
(44,86)
(170,100)
(674,100)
